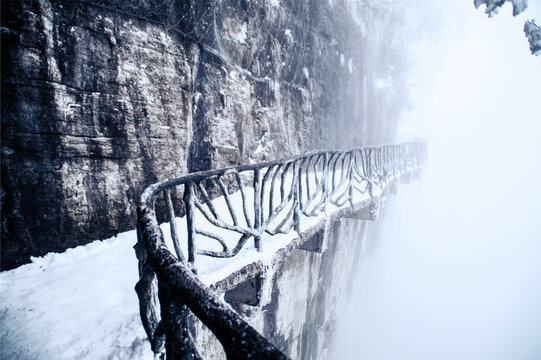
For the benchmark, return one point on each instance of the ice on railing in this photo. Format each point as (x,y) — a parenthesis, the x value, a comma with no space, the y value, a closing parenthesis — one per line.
(236,213)
(213,269)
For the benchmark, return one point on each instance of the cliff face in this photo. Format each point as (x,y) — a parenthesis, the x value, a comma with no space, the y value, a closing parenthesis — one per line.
(101,99)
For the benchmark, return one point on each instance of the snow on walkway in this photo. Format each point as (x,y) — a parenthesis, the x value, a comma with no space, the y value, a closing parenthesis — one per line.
(76,305)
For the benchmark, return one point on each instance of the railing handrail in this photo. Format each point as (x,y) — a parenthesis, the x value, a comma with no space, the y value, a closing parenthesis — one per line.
(152,191)
(180,291)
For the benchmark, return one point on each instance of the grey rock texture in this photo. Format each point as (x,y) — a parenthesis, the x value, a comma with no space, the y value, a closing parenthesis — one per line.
(98,103)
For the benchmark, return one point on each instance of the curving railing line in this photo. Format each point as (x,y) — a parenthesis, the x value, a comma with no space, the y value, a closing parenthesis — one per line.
(243,202)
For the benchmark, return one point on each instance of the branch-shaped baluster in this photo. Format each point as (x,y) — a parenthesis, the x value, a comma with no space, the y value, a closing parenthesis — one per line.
(319,181)
(388,162)
(224,253)
(320,175)
(279,208)
(381,162)
(218,222)
(325,179)
(208,201)
(311,196)
(257,207)
(387,165)
(230,206)
(285,200)
(377,167)
(342,172)
(358,171)
(338,155)
(173,225)
(300,187)
(322,158)
(336,172)
(243,195)
(189,197)
(243,239)
(392,163)
(280,229)
(350,178)
(283,181)
(296,195)
(342,190)
(365,163)
(340,198)
(264,189)
(372,165)
(394,160)
(305,165)
(272,187)
(292,217)
(304,185)
(213,217)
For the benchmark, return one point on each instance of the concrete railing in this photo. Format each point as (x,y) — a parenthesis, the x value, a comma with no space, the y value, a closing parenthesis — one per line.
(225,209)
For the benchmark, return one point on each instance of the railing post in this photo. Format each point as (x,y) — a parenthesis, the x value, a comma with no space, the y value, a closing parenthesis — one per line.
(179,344)
(147,292)
(173,225)
(189,195)
(325,179)
(351,177)
(297,188)
(257,207)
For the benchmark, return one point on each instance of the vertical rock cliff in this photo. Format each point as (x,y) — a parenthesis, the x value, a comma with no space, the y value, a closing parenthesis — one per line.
(102,98)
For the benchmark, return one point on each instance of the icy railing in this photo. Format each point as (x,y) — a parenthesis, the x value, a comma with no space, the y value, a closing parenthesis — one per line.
(264,198)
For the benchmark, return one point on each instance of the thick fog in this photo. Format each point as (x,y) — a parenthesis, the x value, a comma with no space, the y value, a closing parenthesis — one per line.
(456,270)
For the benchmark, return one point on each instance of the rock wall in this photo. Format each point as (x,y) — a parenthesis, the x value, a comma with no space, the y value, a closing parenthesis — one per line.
(100,99)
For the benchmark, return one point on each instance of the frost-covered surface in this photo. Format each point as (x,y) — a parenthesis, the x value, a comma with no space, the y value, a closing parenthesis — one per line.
(81,304)
(533,33)
(210,269)
(76,305)
(493,6)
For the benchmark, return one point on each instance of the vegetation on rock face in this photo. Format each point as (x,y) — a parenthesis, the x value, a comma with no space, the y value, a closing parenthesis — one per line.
(532,31)
(493,6)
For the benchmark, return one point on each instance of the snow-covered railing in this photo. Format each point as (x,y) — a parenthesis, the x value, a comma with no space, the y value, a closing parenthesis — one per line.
(264,198)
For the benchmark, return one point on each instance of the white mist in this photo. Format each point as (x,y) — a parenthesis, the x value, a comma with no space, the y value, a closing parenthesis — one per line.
(457,270)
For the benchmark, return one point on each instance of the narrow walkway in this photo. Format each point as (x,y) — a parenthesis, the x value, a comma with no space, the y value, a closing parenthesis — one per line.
(225,210)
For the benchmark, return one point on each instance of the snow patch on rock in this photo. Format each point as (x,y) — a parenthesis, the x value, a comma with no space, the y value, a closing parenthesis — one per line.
(241,35)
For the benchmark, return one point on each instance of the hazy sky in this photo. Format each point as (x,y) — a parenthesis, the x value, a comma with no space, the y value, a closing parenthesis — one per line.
(457,271)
